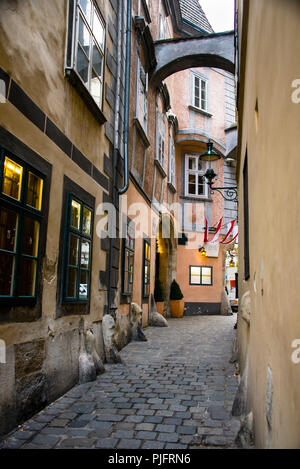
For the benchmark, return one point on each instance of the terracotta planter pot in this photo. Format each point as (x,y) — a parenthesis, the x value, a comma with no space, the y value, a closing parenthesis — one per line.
(160,306)
(177,308)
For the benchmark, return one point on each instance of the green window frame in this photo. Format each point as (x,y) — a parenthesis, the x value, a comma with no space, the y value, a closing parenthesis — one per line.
(21,215)
(201,275)
(128,262)
(146,268)
(77,251)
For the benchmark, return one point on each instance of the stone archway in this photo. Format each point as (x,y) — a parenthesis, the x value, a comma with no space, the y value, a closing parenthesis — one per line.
(166,256)
(213,50)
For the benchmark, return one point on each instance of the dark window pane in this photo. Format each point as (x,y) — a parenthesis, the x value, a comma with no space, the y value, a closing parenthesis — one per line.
(97,60)
(73,250)
(6,273)
(84,36)
(30,239)
(34,191)
(8,229)
(82,66)
(27,277)
(192,189)
(72,283)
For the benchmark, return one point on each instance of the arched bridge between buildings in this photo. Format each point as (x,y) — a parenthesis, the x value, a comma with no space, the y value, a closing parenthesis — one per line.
(214,50)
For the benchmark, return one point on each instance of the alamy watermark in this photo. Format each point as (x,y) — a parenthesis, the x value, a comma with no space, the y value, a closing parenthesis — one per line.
(165,221)
(2,92)
(295,357)
(295,96)
(2,351)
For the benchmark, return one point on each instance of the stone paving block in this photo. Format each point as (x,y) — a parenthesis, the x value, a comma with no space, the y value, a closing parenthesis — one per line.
(175,446)
(165,428)
(106,443)
(77,443)
(59,423)
(24,435)
(120,434)
(13,443)
(186,430)
(144,435)
(168,437)
(129,444)
(48,441)
(134,418)
(150,444)
(78,423)
(154,419)
(145,426)
(110,418)
(99,425)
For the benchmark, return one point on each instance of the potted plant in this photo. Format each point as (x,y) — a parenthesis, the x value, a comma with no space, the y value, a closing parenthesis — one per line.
(176,300)
(159,296)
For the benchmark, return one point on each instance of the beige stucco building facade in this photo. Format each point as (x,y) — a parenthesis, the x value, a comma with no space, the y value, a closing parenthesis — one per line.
(269,200)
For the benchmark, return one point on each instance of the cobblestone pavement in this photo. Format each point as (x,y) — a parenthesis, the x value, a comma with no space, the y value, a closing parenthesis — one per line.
(173,392)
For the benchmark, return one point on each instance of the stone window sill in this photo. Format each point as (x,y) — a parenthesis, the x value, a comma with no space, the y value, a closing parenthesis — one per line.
(200,111)
(160,168)
(85,95)
(141,132)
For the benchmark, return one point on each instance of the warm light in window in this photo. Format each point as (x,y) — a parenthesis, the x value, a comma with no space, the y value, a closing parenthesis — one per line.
(12,178)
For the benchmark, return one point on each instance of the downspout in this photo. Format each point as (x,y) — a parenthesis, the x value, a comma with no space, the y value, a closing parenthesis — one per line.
(116,143)
(127,94)
(125,124)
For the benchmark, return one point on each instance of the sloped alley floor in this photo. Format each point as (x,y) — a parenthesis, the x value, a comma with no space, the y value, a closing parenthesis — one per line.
(174,391)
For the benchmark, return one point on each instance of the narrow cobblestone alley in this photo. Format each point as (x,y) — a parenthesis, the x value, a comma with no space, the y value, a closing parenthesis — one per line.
(174,391)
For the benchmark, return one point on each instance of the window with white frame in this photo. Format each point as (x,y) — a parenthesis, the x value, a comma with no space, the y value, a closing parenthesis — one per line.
(142,91)
(85,51)
(195,184)
(199,93)
(171,158)
(160,137)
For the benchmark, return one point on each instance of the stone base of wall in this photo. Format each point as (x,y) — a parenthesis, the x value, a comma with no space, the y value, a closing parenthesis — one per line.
(202,309)
(38,372)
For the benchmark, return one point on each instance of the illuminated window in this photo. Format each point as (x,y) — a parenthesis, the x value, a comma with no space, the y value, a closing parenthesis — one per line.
(128,262)
(146,268)
(21,213)
(201,275)
(77,251)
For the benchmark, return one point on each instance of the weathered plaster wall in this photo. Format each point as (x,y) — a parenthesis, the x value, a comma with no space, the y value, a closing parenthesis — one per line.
(269,130)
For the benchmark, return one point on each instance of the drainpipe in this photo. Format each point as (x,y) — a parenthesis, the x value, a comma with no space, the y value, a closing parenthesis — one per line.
(116,141)
(127,93)
(125,124)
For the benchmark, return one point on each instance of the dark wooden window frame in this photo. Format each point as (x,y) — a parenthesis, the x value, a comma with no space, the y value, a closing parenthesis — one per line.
(64,305)
(146,262)
(201,284)
(125,249)
(22,209)
(28,309)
